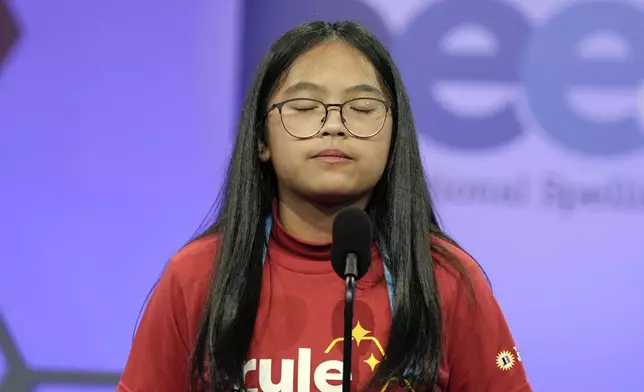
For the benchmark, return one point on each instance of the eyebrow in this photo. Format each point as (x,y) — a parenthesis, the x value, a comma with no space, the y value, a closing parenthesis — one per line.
(364,88)
(304,86)
(308,86)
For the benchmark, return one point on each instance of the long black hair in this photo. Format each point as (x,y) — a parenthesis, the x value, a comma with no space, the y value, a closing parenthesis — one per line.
(401,210)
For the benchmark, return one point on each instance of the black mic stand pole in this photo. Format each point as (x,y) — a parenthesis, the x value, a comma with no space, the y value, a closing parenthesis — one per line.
(350,273)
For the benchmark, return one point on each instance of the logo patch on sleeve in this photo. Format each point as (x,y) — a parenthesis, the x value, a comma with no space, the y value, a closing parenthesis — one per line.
(505,360)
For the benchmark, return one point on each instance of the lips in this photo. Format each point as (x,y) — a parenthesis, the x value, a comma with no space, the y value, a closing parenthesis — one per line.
(332,153)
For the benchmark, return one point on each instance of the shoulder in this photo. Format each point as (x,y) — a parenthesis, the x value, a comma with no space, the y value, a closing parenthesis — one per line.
(165,336)
(194,261)
(188,273)
(466,296)
(479,350)
(458,275)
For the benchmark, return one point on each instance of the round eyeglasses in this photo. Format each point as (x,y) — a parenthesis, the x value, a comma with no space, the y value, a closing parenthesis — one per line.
(304,117)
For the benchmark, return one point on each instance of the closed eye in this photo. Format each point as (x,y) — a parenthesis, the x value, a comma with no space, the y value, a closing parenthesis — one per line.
(362,110)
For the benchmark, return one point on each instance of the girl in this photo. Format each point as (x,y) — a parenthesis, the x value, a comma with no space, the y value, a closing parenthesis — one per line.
(254,303)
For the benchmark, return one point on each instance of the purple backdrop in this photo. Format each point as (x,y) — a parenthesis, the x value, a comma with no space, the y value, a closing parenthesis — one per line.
(114,128)
(115,124)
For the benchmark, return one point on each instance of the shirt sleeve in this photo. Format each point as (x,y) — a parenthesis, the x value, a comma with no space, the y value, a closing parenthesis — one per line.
(159,357)
(480,352)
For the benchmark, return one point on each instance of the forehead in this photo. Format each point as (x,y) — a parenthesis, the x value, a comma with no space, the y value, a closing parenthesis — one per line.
(335,65)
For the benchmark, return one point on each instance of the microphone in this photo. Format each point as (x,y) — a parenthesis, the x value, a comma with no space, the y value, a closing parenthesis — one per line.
(351,259)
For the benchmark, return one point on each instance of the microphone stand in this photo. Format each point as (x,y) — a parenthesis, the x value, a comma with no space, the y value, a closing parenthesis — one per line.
(350,273)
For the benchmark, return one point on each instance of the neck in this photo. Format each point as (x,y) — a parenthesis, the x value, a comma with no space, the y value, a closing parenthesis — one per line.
(310,221)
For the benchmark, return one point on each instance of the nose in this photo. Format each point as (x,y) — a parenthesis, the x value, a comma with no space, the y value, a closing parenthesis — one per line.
(334,124)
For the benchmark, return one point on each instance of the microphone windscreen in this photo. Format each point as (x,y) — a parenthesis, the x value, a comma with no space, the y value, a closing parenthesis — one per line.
(352,233)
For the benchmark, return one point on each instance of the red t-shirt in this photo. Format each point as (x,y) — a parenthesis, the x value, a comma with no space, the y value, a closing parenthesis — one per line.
(297,343)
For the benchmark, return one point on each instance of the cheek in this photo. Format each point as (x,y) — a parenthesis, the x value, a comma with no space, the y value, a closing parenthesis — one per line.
(375,162)
(283,162)
(284,150)
(381,149)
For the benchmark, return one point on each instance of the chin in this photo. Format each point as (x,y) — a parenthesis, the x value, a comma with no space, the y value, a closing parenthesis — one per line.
(324,188)
(336,195)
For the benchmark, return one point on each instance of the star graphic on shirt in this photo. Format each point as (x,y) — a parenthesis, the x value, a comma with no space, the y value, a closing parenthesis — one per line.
(372,362)
(360,334)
